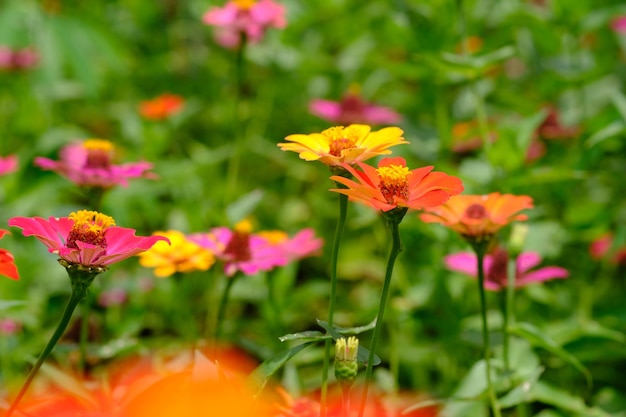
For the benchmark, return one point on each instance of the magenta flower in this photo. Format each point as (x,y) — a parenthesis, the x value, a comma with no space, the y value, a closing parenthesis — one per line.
(244,18)
(9,327)
(603,247)
(495,265)
(8,164)
(618,24)
(85,238)
(90,164)
(17,59)
(353,109)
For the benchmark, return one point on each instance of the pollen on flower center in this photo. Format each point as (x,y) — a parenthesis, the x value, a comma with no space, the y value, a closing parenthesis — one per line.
(99,153)
(238,247)
(476,211)
(394,182)
(89,227)
(339,139)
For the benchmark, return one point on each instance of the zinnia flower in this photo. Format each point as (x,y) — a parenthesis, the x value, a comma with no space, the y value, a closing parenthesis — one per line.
(353,109)
(552,128)
(183,255)
(478,216)
(7,262)
(603,247)
(90,164)
(393,185)
(466,136)
(339,145)
(85,238)
(618,24)
(161,107)
(9,327)
(17,59)
(8,164)
(495,266)
(244,18)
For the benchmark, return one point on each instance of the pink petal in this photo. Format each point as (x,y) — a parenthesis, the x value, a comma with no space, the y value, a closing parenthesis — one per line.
(543,274)
(527,261)
(464,262)
(329,110)
(223,16)
(122,243)
(51,232)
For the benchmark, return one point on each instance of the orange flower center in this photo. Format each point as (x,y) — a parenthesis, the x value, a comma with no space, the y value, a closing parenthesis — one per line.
(244,4)
(89,227)
(394,182)
(476,211)
(99,153)
(339,139)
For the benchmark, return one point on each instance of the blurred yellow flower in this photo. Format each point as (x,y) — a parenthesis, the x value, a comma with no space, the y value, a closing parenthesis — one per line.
(182,256)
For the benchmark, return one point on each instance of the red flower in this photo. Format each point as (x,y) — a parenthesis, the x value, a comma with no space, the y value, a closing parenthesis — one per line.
(7,262)
(161,107)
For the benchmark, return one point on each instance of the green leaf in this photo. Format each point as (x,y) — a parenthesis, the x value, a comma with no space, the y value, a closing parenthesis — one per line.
(7,304)
(613,129)
(264,372)
(362,354)
(540,339)
(242,207)
(306,335)
(351,331)
(522,392)
(557,397)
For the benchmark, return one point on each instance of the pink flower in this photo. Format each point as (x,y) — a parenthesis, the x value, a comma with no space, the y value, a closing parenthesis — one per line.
(244,18)
(90,164)
(618,24)
(495,265)
(353,109)
(86,238)
(18,59)
(9,326)
(8,164)
(603,247)
(112,297)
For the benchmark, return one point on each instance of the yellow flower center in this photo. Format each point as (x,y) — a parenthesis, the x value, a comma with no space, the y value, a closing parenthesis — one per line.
(476,211)
(244,4)
(339,139)
(99,153)
(274,237)
(394,182)
(89,227)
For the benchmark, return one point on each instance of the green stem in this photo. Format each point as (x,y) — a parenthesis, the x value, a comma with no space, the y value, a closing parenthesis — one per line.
(80,280)
(222,307)
(84,335)
(341,222)
(509,311)
(480,250)
(393,222)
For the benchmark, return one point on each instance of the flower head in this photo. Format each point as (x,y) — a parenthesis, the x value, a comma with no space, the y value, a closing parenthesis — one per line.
(161,107)
(344,145)
(85,238)
(90,164)
(7,262)
(17,59)
(618,24)
(353,109)
(182,255)
(478,216)
(8,164)
(495,265)
(9,327)
(393,185)
(602,247)
(244,18)
(552,128)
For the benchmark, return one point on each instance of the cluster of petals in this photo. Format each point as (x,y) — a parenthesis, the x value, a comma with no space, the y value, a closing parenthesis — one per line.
(353,109)
(393,185)
(161,107)
(244,18)
(7,262)
(604,247)
(249,253)
(344,145)
(90,164)
(85,238)
(477,216)
(495,268)
(181,255)
(8,164)
(17,59)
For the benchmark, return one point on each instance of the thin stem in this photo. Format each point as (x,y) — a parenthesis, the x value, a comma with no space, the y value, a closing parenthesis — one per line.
(84,335)
(480,255)
(341,222)
(222,307)
(393,223)
(509,311)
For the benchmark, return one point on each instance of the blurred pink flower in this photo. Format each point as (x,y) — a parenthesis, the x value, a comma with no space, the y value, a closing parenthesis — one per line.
(603,247)
(353,109)
(618,24)
(9,326)
(244,18)
(86,238)
(8,164)
(113,297)
(17,59)
(552,128)
(495,265)
(90,163)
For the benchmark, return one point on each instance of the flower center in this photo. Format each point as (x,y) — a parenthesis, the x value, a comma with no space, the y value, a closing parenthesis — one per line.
(476,211)
(238,247)
(497,271)
(339,139)
(244,4)
(99,153)
(274,237)
(394,182)
(89,227)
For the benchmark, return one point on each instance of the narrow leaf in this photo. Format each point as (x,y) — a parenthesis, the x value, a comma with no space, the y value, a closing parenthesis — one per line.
(306,335)
(264,372)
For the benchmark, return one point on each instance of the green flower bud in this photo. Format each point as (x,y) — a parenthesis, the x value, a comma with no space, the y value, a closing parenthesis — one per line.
(346,366)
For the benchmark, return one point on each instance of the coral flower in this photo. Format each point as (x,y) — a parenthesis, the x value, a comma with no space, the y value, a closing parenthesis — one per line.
(8,164)
(247,19)
(90,164)
(182,255)
(161,107)
(495,265)
(85,238)
(7,262)
(353,109)
(339,145)
(393,185)
(478,216)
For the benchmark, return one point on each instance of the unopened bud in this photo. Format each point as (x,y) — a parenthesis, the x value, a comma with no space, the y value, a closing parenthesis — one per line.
(346,366)
(517,239)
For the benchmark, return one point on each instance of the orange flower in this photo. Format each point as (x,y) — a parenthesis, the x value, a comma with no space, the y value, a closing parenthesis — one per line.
(161,107)
(392,185)
(477,216)
(339,145)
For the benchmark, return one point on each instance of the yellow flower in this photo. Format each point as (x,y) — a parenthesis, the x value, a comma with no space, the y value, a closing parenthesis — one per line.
(182,256)
(338,145)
